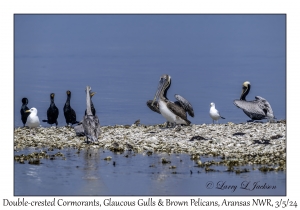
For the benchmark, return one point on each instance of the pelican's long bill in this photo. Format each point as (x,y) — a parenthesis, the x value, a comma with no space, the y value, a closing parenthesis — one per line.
(161,84)
(92,93)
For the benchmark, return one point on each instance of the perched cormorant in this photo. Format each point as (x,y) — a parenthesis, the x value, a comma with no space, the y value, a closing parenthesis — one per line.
(257,109)
(173,112)
(214,113)
(52,112)
(23,110)
(90,123)
(69,113)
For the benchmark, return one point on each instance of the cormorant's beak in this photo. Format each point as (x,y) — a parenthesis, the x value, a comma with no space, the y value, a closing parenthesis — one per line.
(159,89)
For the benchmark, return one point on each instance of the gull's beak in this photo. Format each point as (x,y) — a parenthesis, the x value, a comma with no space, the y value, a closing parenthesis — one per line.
(28,110)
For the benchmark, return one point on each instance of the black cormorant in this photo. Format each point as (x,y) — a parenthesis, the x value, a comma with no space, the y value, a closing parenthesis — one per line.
(69,113)
(23,110)
(52,112)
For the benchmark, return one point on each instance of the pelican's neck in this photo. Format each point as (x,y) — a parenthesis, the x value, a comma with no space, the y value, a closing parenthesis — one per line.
(163,94)
(88,103)
(92,105)
(245,93)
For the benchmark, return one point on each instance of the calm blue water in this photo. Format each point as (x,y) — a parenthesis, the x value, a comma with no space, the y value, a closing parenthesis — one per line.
(87,173)
(122,57)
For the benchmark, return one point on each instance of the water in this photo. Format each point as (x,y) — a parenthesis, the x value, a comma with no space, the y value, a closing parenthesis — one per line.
(122,57)
(87,173)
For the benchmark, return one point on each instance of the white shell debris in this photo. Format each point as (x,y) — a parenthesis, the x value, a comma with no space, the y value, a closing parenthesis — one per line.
(255,143)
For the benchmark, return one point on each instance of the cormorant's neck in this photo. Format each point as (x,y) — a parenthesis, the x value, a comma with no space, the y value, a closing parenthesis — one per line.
(68,100)
(24,107)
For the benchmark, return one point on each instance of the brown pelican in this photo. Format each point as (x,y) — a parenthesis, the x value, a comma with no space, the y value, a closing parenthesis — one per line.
(23,110)
(257,109)
(79,128)
(52,112)
(173,112)
(90,123)
(70,114)
(214,113)
(155,107)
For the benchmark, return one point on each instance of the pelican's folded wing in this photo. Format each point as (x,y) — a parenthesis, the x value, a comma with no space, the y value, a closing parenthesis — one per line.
(185,104)
(265,105)
(250,107)
(155,106)
(178,111)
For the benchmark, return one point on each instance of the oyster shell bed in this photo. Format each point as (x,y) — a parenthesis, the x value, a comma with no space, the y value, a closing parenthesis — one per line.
(235,144)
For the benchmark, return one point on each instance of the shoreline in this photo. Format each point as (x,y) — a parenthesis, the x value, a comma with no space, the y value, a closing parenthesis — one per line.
(236,144)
